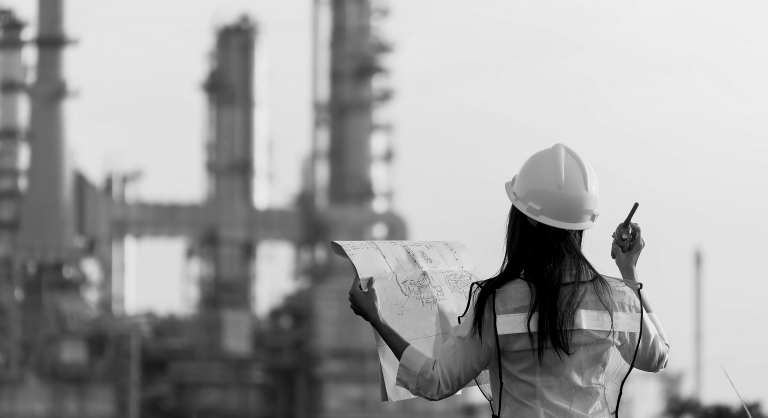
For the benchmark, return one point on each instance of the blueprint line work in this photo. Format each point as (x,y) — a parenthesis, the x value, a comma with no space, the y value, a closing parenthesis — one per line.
(422,288)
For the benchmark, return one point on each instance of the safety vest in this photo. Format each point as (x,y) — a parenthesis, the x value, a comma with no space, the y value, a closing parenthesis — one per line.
(587,383)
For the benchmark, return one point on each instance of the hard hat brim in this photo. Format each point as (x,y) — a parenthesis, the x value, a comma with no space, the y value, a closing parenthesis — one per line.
(551,222)
(509,187)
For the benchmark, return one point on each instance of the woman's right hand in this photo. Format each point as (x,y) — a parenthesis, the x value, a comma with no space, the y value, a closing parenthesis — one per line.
(627,262)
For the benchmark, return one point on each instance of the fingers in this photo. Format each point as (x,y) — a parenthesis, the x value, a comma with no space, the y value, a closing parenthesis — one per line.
(639,241)
(359,297)
(357,287)
(355,284)
(620,255)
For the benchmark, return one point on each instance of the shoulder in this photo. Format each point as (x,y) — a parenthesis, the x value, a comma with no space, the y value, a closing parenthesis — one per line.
(512,295)
(619,283)
(621,287)
(514,286)
(613,281)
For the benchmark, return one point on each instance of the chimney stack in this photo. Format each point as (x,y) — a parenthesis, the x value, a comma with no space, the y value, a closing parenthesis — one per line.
(47,225)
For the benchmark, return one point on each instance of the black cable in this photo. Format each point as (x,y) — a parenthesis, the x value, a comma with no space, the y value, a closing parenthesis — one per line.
(498,353)
(637,348)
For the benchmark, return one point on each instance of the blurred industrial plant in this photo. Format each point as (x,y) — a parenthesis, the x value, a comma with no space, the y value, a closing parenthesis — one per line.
(67,346)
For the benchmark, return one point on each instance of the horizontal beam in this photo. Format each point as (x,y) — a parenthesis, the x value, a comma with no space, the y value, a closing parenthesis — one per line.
(99,216)
(148,219)
(160,220)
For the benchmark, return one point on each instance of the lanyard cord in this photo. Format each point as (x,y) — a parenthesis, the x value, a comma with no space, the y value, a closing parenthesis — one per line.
(498,352)
(469,302)
(637,348)
(496,333)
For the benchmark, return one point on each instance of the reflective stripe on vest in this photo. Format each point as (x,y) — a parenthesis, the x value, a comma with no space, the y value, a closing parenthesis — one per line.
(583,319)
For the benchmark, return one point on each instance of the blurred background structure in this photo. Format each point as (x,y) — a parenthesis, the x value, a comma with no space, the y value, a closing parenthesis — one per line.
(675,89)
(62,358)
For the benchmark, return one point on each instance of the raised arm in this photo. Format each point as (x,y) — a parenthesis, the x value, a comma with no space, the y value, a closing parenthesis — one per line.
(653,352)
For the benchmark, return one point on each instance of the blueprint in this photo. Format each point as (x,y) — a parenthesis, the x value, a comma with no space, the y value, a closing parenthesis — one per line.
(422,288)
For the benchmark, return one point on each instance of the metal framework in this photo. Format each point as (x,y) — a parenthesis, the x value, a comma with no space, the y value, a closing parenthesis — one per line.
(317,360)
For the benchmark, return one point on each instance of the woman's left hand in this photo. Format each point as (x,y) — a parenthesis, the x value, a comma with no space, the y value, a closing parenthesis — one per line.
(364,303)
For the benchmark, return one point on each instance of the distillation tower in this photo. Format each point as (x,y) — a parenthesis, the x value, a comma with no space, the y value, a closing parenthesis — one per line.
(324,365)
(12,89)
(336,372)
(47,227)
(50,369)
(228,247)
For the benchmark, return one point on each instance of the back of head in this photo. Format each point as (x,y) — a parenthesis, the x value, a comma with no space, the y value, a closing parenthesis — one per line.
(554,199)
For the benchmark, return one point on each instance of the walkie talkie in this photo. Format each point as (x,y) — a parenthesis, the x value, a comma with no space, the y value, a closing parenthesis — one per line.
(624,235)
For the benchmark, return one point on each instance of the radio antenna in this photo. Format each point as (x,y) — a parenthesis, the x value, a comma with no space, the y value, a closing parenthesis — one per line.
(631,213)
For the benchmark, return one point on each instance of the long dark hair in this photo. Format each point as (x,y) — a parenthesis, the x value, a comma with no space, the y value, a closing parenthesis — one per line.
(551,261)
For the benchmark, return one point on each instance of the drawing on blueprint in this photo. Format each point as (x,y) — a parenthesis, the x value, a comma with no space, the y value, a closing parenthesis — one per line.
(459,281)
(431,288)
(422,289)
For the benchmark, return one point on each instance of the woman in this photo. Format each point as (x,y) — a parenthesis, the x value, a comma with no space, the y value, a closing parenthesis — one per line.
(548,335)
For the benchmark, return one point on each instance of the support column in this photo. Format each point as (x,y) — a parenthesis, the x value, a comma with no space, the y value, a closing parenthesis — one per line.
(698,328)
(226,300)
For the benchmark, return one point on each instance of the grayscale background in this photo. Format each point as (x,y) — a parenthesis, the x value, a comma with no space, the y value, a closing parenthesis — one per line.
(668,100)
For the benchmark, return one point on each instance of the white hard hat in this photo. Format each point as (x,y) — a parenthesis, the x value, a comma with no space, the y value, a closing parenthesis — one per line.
(558,188)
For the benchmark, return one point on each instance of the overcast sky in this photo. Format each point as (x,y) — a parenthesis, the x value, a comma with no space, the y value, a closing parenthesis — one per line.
(668,100)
